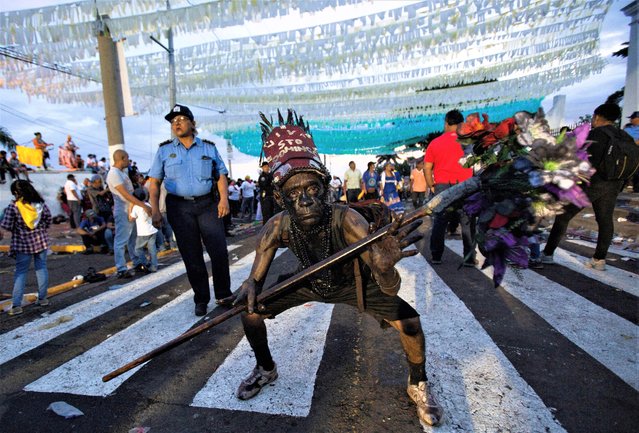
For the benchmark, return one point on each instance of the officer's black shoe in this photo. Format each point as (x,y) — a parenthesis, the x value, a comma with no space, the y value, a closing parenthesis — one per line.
(200,309)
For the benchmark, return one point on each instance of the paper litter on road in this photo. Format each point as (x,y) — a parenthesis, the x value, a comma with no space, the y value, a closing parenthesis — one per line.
(65,409)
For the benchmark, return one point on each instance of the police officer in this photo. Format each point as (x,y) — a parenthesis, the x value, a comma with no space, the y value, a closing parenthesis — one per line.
(267,200)
(197,201)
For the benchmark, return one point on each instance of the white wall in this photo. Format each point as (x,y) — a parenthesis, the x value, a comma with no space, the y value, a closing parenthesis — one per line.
(47,183)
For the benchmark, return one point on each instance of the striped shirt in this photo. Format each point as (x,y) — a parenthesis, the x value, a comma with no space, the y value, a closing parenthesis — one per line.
(23,239)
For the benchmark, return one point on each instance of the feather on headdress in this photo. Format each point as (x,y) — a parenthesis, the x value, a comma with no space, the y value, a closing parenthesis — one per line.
(289,147)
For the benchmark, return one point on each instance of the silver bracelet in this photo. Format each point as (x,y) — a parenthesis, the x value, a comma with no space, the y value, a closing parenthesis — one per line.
(393,287)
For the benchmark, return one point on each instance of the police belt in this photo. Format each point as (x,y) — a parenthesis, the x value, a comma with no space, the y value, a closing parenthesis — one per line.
(191,198)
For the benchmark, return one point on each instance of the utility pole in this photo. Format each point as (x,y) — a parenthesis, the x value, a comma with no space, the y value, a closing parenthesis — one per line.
(171,51)
(172,87)
(631,91)
(111,88)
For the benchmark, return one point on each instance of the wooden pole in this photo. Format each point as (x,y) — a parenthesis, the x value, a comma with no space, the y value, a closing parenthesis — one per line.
(437,204)
(111,89)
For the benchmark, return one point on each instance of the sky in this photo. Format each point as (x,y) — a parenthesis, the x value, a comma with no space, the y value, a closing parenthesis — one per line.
(23,116)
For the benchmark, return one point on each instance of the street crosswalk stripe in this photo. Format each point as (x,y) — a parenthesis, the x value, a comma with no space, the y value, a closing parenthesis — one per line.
(613,249)
(476,384)
(296,339)
(83,374)
(33,334)
(612,276)
(608,338)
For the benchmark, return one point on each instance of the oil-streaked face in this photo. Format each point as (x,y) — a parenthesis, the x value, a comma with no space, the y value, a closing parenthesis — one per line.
(303,196)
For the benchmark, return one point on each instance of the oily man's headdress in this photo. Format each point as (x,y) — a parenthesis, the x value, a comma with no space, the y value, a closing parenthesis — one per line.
(289,148)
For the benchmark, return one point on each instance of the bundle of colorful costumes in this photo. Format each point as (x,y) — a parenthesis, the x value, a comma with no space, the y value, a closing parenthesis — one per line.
(526,174)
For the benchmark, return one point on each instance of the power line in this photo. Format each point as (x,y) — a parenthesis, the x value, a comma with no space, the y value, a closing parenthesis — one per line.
(13,54)
(9,110)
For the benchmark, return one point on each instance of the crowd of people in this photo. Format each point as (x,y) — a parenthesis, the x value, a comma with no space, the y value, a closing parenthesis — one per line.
(186,196)
(12,166)
(107,210)
(112,209)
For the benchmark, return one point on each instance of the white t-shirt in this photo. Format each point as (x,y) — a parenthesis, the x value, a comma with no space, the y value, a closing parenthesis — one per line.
(69,187)
(248,189)
(143,222)
(234,192)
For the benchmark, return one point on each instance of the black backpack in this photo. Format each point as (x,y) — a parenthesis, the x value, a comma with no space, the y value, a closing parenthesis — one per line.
(621,159)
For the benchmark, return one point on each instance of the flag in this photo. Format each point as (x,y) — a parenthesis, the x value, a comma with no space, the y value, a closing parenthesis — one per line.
(29,156)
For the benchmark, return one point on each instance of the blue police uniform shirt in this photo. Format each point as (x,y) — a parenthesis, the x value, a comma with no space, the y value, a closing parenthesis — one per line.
(187,172)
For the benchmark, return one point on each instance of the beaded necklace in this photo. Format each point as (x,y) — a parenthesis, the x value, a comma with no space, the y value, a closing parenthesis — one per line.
(322,283)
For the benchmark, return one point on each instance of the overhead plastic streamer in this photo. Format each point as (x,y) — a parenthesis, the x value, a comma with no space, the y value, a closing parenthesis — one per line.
(340,62)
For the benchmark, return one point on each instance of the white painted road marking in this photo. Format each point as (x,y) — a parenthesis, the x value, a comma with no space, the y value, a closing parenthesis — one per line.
(31,335)
(478,386)
(297,345)
(480,390)
(610,339)
(82,375)
(612,276)
(613,249)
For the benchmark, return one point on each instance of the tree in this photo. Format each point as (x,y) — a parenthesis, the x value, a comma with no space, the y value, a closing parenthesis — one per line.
(587,118)
(6,139)
(382,160)
(616,97)
(623,53)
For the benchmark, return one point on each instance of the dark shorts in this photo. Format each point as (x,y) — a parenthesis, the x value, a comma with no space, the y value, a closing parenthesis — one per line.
(382,307)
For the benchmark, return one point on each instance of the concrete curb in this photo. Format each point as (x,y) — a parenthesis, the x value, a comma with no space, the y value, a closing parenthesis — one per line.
(54,248)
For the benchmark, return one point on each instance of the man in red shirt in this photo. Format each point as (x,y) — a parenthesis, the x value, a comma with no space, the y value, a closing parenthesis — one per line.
(442,171)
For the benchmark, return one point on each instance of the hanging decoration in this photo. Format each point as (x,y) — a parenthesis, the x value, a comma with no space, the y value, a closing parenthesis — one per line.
(373,73)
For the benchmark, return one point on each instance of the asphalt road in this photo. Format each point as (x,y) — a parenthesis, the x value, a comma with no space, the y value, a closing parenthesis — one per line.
(548,351)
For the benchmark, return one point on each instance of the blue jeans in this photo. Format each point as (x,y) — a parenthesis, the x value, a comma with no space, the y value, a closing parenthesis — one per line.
(440,223)
(125,235)
(603,196)
(165,234)
(20,278)
(148,242)
(535,248)
(76,213)
(108,237)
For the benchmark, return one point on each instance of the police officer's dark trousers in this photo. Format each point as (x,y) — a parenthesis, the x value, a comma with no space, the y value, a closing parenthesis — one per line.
(193,222)
(268,208)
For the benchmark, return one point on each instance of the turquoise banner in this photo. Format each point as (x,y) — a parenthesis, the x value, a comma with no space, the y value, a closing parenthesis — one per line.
(374,137)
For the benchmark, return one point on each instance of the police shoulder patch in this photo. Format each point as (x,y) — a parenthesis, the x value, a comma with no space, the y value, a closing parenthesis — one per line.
(208,141)
(165,142)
